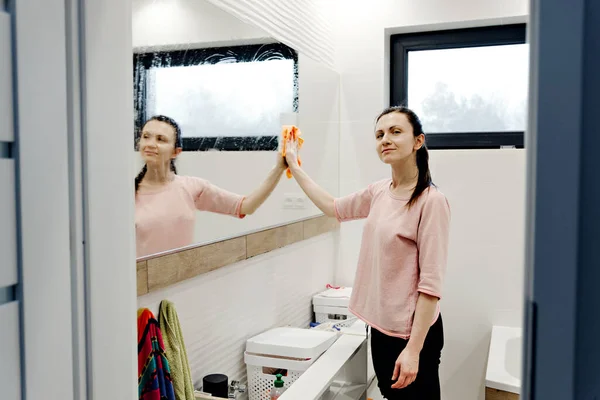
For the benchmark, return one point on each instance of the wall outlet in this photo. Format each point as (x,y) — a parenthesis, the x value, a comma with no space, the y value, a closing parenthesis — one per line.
(288,202)
(300,202)
(294,201)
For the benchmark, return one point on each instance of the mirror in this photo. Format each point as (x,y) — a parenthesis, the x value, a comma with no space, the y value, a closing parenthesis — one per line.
(230,88)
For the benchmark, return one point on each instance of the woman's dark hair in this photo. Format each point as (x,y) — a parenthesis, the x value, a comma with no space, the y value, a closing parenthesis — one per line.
(424,181)
(178,144)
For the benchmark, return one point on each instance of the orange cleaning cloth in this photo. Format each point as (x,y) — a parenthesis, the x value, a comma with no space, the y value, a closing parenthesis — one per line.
(291,132)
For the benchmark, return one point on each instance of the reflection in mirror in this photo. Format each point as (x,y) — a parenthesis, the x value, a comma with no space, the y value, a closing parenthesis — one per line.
(166,203)
(211,94)
(225,98)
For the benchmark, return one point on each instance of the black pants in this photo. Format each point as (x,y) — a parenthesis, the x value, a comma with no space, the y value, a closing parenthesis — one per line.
(385,351)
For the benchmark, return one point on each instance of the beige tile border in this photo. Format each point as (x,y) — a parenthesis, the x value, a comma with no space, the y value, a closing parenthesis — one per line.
(162,271)
(167,270)
(142,278)
(317,226)
(275,238)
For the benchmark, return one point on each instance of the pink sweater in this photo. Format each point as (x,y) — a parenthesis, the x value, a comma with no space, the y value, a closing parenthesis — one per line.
(403,252)
(165,218)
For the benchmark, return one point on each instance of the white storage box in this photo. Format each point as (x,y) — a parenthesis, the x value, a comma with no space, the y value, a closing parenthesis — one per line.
(332,306)
(289,351)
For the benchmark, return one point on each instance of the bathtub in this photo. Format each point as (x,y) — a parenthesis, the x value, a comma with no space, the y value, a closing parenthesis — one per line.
(504,360)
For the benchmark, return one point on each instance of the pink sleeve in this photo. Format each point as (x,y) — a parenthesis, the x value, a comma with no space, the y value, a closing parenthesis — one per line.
(432,242)
(354,206)
(209,197)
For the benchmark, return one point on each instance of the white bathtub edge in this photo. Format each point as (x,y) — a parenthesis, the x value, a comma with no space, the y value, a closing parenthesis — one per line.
(505,387)
(496,376)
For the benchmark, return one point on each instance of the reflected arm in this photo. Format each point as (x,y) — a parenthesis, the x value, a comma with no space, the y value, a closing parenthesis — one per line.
(255,199)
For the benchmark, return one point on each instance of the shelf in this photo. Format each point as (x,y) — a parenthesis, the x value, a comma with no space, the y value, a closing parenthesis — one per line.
(358,328)
(346,391)
(320,376)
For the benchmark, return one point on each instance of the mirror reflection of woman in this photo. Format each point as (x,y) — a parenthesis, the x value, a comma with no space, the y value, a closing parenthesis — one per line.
(402,258)
(166,204)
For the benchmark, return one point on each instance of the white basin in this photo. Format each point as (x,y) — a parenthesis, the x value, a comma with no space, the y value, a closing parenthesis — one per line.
(504,359)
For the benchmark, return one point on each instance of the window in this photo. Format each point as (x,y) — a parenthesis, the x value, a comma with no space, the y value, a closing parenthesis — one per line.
(227,98)
(468,86)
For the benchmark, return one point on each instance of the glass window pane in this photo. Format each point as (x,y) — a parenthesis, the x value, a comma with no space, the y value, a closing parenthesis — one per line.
(224,99)
(476,89)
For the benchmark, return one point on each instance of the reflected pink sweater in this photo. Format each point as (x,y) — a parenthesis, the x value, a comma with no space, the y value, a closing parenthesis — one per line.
(165,218)
(403,252)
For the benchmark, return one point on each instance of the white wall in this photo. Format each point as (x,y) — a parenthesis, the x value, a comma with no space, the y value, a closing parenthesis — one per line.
(188,23)
(485,188)
(484,285)
(299,24)
(169,24)
(220,310)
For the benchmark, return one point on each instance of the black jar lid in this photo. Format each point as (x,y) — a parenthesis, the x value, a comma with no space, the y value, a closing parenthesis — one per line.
(216,385)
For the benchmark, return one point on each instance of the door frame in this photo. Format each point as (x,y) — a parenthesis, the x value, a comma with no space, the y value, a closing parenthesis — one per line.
(562,324)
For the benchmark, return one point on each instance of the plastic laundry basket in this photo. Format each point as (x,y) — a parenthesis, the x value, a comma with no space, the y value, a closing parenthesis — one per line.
(289,351)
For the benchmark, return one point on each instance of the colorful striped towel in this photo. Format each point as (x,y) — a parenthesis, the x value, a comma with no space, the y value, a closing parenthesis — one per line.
(154,376)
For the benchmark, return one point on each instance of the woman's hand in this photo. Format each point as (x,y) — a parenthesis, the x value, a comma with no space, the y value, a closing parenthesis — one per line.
(281,163)
(407,366)
(291,153)
(319,196)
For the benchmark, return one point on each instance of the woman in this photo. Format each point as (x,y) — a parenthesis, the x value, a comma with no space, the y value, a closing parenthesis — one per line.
(402,258)
(166,203)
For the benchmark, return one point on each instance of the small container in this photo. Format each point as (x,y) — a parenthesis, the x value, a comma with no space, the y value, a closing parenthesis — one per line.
(332,306)
(277,389)
(216,384)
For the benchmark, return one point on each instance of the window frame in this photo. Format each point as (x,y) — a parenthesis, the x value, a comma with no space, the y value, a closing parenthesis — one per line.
(142,62)
(401,44)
